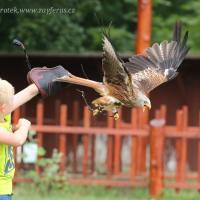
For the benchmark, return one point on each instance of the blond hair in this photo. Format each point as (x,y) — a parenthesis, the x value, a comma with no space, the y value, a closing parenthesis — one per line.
(6,91)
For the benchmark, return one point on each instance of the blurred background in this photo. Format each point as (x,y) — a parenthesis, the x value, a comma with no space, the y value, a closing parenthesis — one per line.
(69,33)
(57,32)
(72,36)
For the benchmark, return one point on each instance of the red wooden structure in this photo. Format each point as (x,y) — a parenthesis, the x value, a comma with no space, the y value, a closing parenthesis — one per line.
(67,129)
(143,41)
(139,174)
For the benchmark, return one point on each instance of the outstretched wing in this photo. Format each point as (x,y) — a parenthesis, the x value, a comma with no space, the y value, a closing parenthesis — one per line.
(159,62)
(115,73)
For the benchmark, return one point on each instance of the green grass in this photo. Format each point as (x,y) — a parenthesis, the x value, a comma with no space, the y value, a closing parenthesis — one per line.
(24,192)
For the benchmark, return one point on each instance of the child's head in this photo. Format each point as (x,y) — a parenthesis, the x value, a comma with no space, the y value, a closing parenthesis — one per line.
(6,96)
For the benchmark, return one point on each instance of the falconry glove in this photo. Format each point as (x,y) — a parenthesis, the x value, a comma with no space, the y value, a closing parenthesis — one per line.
(44,77)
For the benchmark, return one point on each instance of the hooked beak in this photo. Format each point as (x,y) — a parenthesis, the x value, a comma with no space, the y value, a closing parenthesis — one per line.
(146,106)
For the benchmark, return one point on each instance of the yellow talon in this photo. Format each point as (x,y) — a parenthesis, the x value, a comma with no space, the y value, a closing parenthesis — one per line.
(116,116)
(95,112)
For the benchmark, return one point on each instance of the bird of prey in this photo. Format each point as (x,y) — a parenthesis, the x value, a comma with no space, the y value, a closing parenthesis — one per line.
(129,83)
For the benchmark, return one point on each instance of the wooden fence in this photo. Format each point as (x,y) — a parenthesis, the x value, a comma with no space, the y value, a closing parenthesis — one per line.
(141,132)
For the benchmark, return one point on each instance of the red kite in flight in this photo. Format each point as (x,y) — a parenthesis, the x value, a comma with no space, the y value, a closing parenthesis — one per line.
(129,83)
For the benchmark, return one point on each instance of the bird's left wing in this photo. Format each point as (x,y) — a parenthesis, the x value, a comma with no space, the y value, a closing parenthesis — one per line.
(159,63)
(115,73)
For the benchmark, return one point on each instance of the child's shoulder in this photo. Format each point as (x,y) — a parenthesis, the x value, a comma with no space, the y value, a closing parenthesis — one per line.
(8,118)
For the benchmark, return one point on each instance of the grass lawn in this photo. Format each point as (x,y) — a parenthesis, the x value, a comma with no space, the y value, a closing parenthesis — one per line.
(24,192)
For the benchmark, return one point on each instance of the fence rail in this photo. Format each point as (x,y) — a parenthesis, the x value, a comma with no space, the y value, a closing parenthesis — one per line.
(142,171)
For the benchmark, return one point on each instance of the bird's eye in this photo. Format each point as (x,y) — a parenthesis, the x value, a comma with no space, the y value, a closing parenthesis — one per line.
(117,103)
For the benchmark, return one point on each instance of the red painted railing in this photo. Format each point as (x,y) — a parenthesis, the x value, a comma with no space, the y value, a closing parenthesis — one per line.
(142,134)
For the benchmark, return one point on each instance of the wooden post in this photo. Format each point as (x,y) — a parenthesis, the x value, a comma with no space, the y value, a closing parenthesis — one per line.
(134,152)
(198,155)
(184,144)
(143,37)
(93,142)
(75,136)
(57,111)
(15,118)
(63,139)
(142,144)
(179,116)
(157,114)
(109,160)
(86,124)
(117,154)
(181,146)
(163,112)
(56,120)
(39,121)
(23,109)
(156,157)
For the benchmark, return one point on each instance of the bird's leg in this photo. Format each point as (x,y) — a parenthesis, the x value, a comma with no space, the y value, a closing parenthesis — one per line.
(85,100)
(116,116)
(97,110)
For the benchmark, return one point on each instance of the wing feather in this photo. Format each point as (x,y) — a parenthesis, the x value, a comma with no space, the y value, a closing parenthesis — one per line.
(114,71)
(159,63)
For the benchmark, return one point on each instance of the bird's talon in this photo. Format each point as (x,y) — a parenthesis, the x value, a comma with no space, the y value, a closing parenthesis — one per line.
(95,112)
(116,116)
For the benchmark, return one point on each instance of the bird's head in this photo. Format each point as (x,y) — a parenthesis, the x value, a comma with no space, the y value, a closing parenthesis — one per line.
(147,104)
(143,102)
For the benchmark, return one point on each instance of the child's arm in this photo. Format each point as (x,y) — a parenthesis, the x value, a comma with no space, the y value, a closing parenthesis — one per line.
(25,95)
(18,137)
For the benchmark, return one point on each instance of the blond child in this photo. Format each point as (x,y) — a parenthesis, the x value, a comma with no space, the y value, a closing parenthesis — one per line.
(41,82)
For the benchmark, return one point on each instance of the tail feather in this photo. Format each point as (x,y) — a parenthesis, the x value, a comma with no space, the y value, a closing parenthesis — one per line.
(182,48)
(177,32)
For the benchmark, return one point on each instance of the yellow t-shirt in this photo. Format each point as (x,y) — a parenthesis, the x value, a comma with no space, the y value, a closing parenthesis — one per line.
(7,166)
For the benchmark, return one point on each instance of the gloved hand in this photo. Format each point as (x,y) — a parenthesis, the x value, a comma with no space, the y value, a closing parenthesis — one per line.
(44,77)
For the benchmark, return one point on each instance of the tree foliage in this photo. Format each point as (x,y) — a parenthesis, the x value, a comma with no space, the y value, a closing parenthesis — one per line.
(81,30)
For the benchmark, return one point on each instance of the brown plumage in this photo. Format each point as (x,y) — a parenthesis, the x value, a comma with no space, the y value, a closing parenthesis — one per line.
(128,84)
